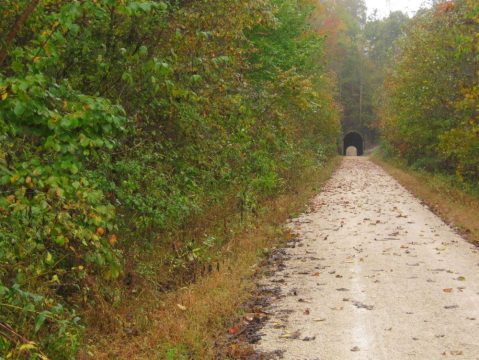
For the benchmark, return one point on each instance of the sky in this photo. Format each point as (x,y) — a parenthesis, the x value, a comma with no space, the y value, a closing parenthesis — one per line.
(385,6)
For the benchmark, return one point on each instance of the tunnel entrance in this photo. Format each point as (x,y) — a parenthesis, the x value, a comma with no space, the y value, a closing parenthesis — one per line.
(353,139)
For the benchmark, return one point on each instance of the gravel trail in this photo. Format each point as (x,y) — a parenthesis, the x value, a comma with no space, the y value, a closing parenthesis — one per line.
(375,275)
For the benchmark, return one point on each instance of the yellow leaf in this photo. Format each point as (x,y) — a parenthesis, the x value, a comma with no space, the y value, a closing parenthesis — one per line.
(4,95)
(27,346)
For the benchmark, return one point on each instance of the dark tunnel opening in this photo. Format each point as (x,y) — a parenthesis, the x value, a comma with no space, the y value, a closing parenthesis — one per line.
(356,140)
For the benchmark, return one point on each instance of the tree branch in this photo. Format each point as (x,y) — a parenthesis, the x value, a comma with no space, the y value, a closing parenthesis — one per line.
(16,28)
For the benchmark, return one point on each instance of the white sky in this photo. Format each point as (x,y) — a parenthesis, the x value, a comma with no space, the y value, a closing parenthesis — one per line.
(385,6)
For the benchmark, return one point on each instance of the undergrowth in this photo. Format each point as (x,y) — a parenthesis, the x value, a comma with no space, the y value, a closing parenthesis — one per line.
(189,322)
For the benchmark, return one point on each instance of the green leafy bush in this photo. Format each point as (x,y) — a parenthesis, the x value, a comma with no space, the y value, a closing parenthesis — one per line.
(125,120)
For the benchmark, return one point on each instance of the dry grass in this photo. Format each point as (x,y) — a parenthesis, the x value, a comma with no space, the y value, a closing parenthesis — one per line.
(186,323)
(454,206)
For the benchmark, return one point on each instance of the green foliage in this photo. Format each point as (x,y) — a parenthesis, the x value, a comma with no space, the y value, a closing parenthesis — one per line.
(430,108)
(130,118)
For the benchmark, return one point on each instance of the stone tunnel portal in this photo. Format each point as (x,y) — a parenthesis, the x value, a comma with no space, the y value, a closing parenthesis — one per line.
(353,139)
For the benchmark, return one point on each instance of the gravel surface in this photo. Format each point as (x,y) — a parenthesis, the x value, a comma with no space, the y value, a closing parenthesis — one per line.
(376,275)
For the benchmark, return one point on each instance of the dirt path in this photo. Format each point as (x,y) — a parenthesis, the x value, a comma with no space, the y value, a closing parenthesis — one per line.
(375,275)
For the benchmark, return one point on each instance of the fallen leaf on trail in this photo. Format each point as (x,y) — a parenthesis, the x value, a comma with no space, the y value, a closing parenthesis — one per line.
(339,276)
(306,312)
(288,335)
(360,305)
(449,290)
(461,278)
(456,352)
(355,349)
(181,307)
(317,274)
(233,330)
(349,259)
(448,307)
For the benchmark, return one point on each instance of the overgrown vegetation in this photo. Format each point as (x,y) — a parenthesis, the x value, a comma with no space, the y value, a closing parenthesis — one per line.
(124,124)
(430,107)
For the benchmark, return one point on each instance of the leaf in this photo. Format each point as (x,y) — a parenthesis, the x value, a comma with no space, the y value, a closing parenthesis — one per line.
(448,290)
(181,307)
(19,108)
(60,240)
(49,259)
(143,50)
(40,320)
(112,239)
(234,330)
(27,346)
(196,78)
(4,96)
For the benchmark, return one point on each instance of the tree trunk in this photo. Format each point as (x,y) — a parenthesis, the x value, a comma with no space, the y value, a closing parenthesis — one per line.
(16,28)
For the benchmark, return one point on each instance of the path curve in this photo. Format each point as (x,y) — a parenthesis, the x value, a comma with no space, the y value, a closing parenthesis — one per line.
(375,275)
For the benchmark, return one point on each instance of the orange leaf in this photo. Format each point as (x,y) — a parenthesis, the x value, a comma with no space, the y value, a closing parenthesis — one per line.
(112,239)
